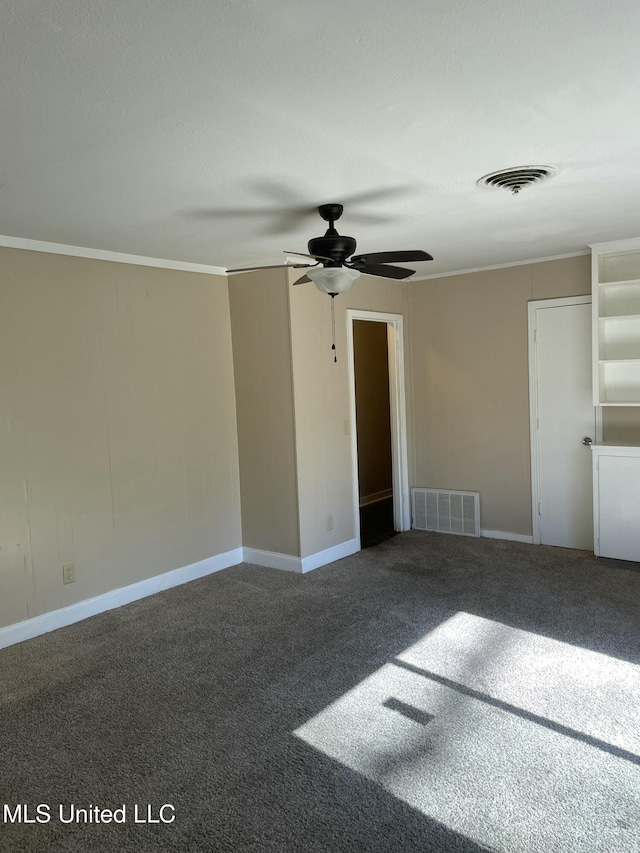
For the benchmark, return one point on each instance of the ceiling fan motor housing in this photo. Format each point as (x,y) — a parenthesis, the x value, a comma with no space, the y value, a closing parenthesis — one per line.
(334,246)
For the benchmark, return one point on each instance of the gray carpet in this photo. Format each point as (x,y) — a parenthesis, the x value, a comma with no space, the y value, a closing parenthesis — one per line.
(434,693)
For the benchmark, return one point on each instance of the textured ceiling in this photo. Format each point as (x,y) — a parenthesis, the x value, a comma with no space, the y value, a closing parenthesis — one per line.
(151,127)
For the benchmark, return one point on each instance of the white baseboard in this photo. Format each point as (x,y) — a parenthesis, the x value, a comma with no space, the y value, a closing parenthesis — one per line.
(272,559)
(501,534)
(330,555)
(37,625)
(115,598)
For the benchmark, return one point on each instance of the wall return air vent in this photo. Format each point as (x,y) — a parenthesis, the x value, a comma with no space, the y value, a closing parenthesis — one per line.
(446,511)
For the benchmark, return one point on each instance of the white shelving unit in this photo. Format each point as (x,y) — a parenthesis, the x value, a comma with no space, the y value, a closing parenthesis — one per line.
(616,323)
(615,270)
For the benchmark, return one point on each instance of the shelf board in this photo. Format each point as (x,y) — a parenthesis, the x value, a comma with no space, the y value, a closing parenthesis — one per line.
(626,283)
(619,317)
(620,361)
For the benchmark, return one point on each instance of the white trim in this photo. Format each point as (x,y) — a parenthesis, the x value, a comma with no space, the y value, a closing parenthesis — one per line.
(598,438)
(116,598)
(354,433)
(186,266)
(512,537)
(272,560)
(106,255)
(501,266)
(595,330)
(532,307)
(400,470)
(595,473)
(29,628)
(330,555)
(400,465)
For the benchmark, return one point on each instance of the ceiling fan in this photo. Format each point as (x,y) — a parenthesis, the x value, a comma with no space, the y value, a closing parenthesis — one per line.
(336,266)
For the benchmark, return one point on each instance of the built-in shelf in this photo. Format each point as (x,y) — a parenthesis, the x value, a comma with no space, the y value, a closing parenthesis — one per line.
(626,283)
(635,317)
(616,323)
(615,300)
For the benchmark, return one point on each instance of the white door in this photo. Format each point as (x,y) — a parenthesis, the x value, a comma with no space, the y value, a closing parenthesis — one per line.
(563,415)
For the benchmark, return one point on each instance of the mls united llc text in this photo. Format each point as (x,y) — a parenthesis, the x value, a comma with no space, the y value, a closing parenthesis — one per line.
(70,813)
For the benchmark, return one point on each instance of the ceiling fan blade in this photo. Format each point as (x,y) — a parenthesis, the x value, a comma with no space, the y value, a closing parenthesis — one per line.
(303,280)
(286,208)
(372,218)
(273,267)
(383,270)
(375,195)
(392,257)
(305,255)
(230,212)
(267,220)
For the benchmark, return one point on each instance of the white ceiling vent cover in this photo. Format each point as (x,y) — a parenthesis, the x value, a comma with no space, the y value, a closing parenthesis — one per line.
(446,511)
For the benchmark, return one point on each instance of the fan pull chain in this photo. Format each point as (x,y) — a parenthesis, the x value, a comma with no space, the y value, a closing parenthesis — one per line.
(333,326)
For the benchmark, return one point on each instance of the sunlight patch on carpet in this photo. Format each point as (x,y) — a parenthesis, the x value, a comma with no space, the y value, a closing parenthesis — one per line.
(485,728)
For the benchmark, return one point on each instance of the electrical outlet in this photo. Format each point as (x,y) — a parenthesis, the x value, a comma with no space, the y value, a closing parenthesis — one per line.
(69,573)
(346,427)
(329,522)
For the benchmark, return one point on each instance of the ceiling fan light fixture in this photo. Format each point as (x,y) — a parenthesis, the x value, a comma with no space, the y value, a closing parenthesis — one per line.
(333,280)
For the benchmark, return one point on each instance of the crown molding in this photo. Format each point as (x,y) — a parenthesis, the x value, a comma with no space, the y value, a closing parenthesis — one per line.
(502,266)
(105,255)
(207,269)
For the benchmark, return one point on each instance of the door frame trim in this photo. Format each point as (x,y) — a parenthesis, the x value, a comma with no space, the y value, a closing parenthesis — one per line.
(532,308)
(397,399)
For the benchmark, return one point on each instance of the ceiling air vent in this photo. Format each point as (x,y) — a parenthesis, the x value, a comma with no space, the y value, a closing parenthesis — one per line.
(516,178)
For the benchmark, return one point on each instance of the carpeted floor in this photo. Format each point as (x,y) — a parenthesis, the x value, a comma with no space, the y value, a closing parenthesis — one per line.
(434,693)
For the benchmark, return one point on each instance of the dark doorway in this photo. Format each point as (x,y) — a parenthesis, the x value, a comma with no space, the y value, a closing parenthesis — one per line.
(373,430)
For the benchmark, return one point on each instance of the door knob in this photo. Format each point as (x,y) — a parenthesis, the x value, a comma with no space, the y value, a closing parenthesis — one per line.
(586,440)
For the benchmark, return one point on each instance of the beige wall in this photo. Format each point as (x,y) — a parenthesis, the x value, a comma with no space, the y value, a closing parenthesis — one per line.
(373,414)
(118,431)
(621,423)
(264,395)
(467,388)
(118,445)
(321,398)
(466,372)
(470,382)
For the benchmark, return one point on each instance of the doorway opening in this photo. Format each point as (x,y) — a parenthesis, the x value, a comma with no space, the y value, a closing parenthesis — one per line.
(379,455)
